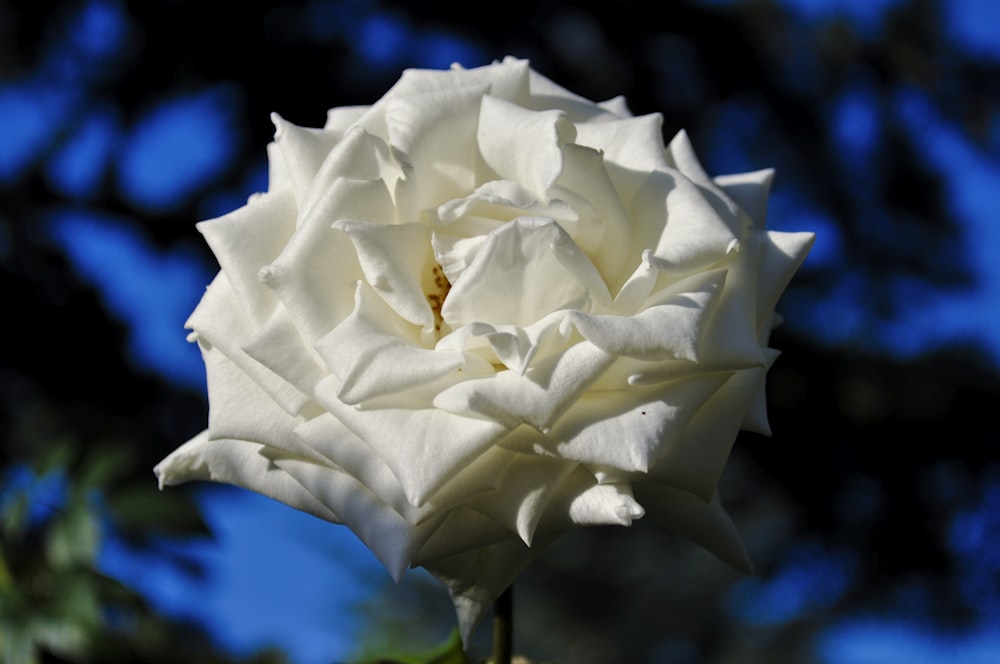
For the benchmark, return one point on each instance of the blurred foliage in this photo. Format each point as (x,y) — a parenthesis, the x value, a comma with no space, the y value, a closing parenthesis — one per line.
(851,509)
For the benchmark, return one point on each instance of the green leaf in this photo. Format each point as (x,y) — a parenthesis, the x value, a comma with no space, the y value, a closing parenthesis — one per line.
(449,652)
(105,463)
(14,517)
(141,506)
(74,536)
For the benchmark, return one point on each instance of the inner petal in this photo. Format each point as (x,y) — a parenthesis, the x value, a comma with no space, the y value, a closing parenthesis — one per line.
(524,271)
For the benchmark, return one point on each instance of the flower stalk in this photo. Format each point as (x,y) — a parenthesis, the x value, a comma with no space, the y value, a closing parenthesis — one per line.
(503,627)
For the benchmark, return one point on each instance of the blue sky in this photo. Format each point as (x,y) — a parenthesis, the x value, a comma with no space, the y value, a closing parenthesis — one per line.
(266,553)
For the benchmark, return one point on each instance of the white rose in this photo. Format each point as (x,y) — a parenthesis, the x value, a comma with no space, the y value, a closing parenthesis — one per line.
(480,312)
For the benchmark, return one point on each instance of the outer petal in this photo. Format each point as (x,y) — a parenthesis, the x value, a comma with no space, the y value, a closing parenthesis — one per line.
(220,322)
(303,149)
(423,446)
(704,523)
(476,578)
(390,537)
(750,192)
(632,147)
(521,145)
(248,238)
(315,275)
(696,459)
(242,464)
(670,329)
(538,398)
(781,256)
(625,429)
(433,137)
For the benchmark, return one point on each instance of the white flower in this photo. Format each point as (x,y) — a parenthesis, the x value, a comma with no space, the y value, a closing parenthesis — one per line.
(483,311)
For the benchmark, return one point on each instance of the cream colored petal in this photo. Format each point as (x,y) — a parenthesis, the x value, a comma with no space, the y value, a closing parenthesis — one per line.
(694,461)
(240,463)
(342,118)
(756,419)
(674,219)
(670,329)
(514,347)
(433,138)
(247,238)
(782,254)
(395,260)
(538,398)
(279,347)
(424,447)
(632,147)
(220,323)
(703,522)
(358,156)
(526,270)
(462,530)
(604,222)
(240,409)
(605,505)
(680,153)
(731,337)
(508,80)
(374,353)
(522,145)
(523,494)
(546,94)
(475,579)
(392,539)
(315,275)
(625,429)
(750,191)
(335,442)
(303,150)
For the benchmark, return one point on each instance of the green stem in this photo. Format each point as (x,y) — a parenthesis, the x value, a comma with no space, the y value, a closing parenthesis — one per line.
(503,626)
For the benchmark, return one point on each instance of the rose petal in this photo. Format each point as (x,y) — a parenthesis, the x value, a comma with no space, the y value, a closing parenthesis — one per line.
(538,398)
(626,429)
(675,220)
(522,145)
(782,254)
(392,539)
(519,258)
(632,147)
(219,322)
(247,238)
(239,409)
(424,447)
(670,329)
(750,192)
(584,184)
(395,260)
(239,463)
(374,353)
(696,458)
(704,523)
(315,275)
(680,153)
(524,493)
(358,156)
(303,150)
(279,347)
(475,579)
(433,138)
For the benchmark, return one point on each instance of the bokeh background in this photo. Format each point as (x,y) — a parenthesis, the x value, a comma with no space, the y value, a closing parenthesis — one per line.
(872,514)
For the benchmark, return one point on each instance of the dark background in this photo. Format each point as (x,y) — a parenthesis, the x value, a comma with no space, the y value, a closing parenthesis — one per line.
(872,514)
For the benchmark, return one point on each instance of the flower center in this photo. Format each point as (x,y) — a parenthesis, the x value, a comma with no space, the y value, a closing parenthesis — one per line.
(439,291)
